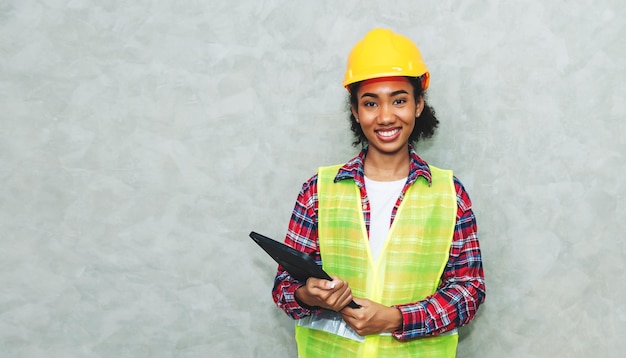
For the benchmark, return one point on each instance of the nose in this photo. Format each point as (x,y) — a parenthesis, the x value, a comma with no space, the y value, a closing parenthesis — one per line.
(386,115)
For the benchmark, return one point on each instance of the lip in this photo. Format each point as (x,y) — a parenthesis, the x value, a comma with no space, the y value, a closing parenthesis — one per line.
(388,134)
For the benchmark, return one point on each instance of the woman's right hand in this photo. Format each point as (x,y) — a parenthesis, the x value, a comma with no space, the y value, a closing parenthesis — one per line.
(333,295)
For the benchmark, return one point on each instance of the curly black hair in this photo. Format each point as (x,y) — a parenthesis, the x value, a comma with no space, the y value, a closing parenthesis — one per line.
(425,124)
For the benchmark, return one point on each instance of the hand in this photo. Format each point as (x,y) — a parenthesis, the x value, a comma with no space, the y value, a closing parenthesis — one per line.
(332,295)
(372,317)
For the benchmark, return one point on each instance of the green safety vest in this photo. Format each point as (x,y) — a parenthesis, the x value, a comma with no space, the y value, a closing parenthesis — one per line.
(408,269)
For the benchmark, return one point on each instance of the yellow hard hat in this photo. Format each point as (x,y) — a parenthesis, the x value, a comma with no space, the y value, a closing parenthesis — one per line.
(383,53)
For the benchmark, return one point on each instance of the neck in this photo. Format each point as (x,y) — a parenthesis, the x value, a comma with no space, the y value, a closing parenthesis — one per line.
(387,167)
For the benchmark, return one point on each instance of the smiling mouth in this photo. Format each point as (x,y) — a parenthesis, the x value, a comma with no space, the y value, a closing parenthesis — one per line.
(388,133)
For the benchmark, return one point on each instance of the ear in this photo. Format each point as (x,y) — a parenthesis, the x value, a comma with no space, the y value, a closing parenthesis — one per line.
(420,106)
(355,112)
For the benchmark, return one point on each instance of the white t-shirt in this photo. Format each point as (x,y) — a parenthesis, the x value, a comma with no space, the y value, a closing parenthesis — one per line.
(382,196)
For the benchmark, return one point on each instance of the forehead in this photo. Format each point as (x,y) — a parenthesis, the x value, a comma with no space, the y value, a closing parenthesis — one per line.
(385,84)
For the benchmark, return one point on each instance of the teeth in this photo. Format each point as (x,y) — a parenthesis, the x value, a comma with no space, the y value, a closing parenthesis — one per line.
(388,133)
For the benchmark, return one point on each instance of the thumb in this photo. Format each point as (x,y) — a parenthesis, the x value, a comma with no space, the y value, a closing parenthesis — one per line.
(334,282)
(329,285)
(320,283)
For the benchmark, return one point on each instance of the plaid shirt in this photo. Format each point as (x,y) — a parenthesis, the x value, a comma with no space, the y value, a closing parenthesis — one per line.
(462,287)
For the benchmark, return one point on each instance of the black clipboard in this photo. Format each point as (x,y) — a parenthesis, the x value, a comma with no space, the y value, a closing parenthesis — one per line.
(300,265)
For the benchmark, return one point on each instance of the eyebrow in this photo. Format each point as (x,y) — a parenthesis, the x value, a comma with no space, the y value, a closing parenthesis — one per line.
(393,94)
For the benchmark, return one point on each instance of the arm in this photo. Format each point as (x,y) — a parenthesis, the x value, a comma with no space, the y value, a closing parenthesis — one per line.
(462,287)
(301,235)
(300,299)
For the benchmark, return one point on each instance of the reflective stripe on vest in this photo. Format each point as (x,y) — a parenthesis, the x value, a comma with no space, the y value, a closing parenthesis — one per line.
(408,269)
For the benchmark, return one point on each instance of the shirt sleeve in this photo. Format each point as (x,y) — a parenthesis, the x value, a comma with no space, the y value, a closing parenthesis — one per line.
(462,287)
(301,235)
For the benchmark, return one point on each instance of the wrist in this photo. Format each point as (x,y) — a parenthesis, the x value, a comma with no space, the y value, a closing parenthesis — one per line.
(396,319)
(300,300)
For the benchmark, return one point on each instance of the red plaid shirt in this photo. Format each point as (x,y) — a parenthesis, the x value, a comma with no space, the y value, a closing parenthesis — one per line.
(462,287)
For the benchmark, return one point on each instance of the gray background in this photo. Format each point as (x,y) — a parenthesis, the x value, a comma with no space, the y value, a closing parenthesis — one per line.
(140,142)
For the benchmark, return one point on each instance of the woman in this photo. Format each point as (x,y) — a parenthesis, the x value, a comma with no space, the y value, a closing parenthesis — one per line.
(397,235)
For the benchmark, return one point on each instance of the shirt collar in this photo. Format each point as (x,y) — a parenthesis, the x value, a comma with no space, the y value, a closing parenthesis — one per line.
(353,169)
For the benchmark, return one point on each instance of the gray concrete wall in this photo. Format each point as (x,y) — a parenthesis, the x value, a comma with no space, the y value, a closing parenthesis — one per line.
(141,141)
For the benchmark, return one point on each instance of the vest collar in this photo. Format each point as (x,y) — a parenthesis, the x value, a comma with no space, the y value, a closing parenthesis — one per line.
(353,169)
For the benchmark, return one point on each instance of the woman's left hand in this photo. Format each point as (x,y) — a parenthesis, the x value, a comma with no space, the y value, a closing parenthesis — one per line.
(372,317)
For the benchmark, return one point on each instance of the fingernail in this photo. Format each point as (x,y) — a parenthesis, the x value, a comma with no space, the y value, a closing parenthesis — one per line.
(332,285)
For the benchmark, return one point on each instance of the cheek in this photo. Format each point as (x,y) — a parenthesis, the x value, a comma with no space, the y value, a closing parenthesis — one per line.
(411,120)
(410,115)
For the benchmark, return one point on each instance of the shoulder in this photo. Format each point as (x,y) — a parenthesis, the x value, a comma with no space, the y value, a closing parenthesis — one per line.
(310,186)
(334,172)
(463,199)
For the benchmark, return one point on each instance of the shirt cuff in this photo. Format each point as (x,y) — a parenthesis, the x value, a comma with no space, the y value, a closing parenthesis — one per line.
(298,309)
(412,314)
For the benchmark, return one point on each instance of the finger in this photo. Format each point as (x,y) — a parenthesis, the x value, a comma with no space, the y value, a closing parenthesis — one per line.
(337,283)
(344,298)
(318,283)
(312,282)
(334,300)
(358,301)
(348,314)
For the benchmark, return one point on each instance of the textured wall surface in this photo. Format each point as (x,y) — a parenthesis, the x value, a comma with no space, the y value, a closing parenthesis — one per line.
(140,142)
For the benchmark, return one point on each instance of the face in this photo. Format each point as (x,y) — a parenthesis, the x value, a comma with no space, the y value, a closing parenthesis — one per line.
(386,110)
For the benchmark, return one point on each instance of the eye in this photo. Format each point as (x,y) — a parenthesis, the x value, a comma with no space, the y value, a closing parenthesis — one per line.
(369,104)
(399,101)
